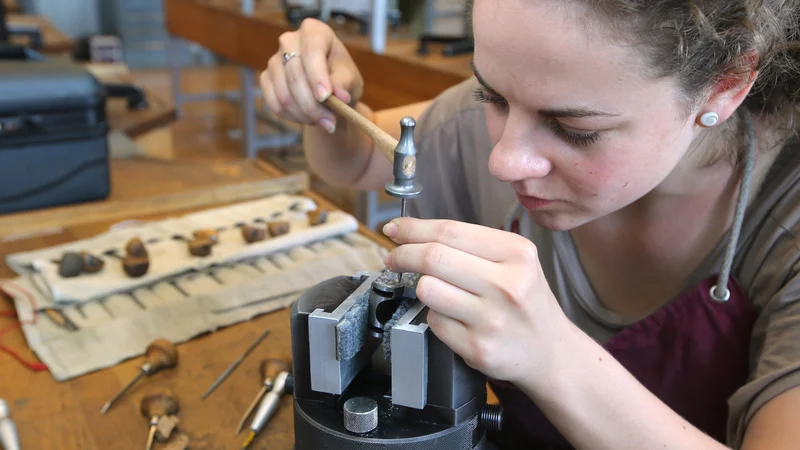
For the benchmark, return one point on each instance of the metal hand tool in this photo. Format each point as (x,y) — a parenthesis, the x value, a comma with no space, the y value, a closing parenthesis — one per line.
(235,364)
(269,369)
(155,406)
(160,354)
(267,407)
(9,440)
(402,154)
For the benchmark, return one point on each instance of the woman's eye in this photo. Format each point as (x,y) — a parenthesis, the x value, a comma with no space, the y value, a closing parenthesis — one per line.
(578,139)
(482,96)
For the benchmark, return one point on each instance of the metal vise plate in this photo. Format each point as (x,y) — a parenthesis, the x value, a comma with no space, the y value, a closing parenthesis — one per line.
(328,373)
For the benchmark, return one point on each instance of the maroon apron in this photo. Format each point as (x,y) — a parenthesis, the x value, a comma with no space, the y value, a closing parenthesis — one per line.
(692,354)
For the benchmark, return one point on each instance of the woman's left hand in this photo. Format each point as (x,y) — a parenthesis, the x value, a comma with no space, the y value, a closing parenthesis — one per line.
(486,292)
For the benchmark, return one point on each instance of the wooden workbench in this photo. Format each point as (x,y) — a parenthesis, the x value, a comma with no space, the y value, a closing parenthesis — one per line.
(134,123)
(54,41)
(11,6)
(398,77)
(66,416)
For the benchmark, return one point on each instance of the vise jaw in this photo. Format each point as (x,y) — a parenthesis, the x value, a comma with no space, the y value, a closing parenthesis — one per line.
(342,342)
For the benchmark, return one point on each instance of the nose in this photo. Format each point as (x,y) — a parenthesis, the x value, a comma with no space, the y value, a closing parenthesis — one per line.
(516,155)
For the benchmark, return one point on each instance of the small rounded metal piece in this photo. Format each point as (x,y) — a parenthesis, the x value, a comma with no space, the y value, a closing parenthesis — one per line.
(360,415)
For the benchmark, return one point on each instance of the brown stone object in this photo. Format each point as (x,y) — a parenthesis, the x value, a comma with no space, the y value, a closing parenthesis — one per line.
(317,217)
(91,263)
(135,266)
(166,425)
(180,442)
(253,234)
(135,247)
(71,265)
(200,246)
(278,228)
(209,233)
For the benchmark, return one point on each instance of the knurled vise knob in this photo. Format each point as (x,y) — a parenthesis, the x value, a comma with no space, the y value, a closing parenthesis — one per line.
(360,415)
(405,185)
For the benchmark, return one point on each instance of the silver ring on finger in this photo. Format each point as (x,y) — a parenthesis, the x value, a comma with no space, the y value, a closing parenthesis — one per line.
(288,56)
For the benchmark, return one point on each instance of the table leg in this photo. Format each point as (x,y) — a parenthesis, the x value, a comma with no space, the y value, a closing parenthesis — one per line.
(173,43)
(248,103)
(378,25)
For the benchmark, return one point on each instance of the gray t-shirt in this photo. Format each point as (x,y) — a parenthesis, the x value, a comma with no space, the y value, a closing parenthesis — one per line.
(453,152)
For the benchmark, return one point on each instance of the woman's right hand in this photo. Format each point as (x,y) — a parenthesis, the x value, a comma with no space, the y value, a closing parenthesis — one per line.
(294,90)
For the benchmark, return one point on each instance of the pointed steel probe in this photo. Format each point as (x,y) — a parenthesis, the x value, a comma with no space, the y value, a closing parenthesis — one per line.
(160,354)
(234,365)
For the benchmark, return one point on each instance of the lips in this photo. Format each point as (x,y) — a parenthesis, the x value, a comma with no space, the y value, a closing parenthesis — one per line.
(533,203)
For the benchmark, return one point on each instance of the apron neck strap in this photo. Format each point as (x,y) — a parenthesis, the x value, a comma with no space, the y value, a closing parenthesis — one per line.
(720,292)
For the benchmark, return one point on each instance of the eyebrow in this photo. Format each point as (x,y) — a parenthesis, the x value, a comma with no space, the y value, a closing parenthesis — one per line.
(549,112)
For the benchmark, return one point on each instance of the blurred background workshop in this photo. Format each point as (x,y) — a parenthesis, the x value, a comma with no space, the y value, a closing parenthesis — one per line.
(173,276)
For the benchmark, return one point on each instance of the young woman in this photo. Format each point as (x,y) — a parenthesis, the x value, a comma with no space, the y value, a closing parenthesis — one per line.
(609,227)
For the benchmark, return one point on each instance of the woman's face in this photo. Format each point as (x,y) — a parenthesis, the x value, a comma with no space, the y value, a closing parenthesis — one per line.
(572,115)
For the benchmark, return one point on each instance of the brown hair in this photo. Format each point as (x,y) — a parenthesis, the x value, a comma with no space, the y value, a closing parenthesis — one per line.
(697,41)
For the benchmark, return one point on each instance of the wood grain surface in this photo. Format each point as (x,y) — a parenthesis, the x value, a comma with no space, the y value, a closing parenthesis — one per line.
(397,77)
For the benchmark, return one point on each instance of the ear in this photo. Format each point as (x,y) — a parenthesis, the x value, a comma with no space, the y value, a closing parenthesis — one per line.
(731,89)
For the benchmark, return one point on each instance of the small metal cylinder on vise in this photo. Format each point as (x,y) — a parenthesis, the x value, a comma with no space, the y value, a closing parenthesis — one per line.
(405,184)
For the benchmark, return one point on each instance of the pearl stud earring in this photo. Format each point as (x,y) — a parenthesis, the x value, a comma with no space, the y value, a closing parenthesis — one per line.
(709,119)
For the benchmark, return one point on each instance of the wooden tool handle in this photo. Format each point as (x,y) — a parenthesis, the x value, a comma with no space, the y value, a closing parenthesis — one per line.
(161,354)
(383,140)
(270,368)
(158,404)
